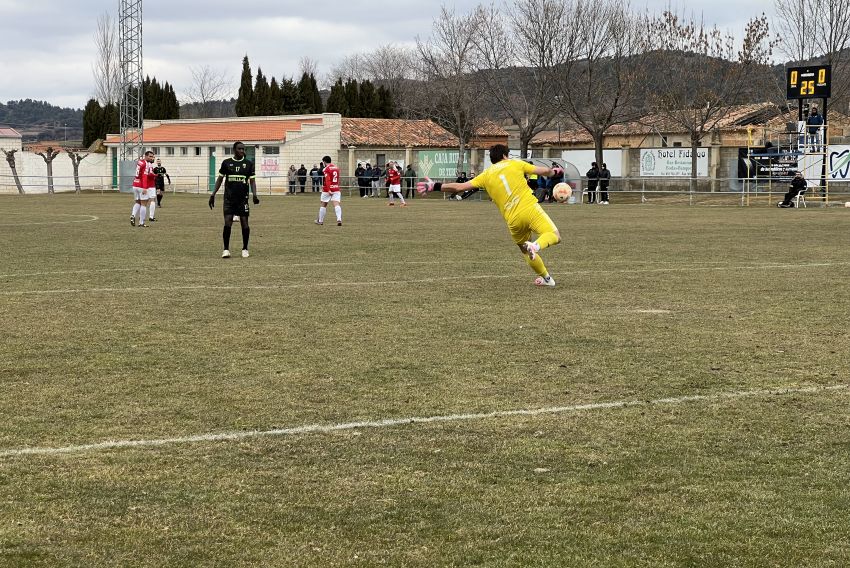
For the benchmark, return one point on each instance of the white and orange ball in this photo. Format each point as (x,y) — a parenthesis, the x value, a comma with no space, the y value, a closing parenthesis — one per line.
(562,192)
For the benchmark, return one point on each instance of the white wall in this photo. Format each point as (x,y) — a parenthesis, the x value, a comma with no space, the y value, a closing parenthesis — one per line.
(32,171)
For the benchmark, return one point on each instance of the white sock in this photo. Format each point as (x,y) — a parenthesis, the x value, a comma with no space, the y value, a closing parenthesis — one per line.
(153,209)
(322,211)
(142,214)
(135,210)
(392,197)
(338,211)
(401,197)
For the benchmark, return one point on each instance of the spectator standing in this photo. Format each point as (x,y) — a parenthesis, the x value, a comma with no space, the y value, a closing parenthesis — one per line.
(815,126)
(604,182)
(315,178)
(360,176)
(592,182)
(302,177)
(377,174)
(292,176)
(410,182)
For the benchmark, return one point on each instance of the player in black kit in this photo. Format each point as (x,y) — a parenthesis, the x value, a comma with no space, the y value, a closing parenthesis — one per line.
(238,174)
(159,181)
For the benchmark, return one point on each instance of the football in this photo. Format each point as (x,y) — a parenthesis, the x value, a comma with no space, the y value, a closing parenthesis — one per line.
(562,192)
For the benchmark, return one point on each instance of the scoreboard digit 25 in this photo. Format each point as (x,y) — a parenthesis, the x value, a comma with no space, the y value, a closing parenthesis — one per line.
(809,82)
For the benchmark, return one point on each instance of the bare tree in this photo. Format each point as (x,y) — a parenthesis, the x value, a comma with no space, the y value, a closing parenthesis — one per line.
(520,51)
(107,64)
(349,67)
(76,158)
(602,80)
(10,158)
(817,30)
(308,65)
(711,75)
(48,156)
(209,87)
(450,93)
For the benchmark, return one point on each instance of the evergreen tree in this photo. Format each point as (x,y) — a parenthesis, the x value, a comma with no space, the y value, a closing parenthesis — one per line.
(310,96)
(275,97)
(171,104)
(352,98)
(92,122)
(368,99)
(337,101)
(386,104)
(245,100)
(263,104)
(317,96)
(291,102)
(110,120)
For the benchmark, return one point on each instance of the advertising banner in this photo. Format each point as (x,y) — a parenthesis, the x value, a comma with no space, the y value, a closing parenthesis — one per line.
(672,162)
(440,164)
(269,166)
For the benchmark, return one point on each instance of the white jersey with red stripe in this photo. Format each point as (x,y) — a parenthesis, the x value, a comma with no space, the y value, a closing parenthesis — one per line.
(331,179)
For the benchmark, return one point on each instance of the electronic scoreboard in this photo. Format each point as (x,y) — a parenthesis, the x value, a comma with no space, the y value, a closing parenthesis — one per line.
(813,82)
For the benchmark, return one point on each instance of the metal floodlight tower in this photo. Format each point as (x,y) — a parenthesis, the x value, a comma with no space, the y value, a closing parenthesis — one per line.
(130,48)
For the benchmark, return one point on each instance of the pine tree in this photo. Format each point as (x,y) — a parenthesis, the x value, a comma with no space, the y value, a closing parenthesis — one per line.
(337,101)
(171,104)
(352,98)
(245,100)
(275,97)
(310,96)
(317,96)
(368,99)
(291,102)
(92,122)
(386,104)
(109,120)
(263,104)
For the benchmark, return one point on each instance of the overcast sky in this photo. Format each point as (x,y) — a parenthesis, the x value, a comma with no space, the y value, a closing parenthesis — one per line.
(47,46)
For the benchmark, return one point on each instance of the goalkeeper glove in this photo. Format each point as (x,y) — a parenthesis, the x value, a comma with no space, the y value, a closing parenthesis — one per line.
(256,200)
(212,201)
(428,186)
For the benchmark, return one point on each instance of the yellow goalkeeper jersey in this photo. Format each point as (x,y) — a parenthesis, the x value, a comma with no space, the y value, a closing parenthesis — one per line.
(505,183)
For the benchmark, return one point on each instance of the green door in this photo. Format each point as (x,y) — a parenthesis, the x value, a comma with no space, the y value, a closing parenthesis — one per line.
(115,168)
(250,153)
(212,168)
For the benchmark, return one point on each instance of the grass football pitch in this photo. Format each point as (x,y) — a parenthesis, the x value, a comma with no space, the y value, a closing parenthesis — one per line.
(346,396)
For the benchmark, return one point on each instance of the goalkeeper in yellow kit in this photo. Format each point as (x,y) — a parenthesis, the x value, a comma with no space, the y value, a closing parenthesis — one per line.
(506,185)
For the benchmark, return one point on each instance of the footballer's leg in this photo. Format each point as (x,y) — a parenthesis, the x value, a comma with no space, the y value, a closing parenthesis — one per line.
(246,234)
(337,207)
(546,230)
(225,233)
(521,232)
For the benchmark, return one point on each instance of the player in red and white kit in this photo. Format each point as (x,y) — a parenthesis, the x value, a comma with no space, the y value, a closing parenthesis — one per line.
(330,192)
(143,188)
(394,179)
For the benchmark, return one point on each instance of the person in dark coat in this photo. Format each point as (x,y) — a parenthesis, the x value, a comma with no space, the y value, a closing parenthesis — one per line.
(604,182)
(592,182)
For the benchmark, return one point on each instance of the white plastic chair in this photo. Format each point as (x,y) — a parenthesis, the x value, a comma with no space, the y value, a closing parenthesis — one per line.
(800,198)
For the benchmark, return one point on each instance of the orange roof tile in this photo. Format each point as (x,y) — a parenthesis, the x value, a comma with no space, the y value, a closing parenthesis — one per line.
(395,132)
(221,131)
(9,133)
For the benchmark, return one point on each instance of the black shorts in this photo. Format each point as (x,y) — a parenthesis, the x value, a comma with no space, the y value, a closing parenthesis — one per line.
(236,205)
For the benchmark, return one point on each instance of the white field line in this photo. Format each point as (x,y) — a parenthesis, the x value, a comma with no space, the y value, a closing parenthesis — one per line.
(192,287)
(412,281)
(391,422)
(89,220)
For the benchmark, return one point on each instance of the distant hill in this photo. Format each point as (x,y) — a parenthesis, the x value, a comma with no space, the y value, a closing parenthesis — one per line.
(40,120)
